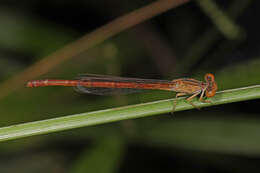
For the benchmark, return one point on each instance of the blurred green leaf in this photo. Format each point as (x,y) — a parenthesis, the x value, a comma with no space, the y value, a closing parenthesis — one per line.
(103,157)
(222,21)
(238,75)
(207,41)
(26,34)
(223,134)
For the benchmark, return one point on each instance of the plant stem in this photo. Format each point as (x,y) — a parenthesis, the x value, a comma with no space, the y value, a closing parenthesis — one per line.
(122,113)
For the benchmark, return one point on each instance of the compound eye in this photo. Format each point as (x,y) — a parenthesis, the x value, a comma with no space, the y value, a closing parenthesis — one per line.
(209,77)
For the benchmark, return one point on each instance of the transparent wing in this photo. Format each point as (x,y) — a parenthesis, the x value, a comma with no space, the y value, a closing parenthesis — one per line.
(108,78)
(112,91)
(106,91)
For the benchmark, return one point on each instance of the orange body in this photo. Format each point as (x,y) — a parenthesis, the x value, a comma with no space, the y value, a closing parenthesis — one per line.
(183,86)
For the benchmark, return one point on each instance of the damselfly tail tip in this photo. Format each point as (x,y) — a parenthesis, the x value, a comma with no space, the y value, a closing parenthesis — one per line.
(29,84)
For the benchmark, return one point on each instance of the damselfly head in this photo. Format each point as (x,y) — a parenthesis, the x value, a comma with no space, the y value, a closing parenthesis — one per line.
(212,85)
(209,77)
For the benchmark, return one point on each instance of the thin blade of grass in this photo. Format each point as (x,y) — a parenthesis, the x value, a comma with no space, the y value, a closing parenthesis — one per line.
(122,113)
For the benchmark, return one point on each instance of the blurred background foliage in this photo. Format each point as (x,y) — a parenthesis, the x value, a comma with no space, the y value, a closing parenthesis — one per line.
(201,36)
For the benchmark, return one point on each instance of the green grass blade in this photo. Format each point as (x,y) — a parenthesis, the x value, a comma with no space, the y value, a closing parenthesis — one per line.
(221,20)
(103,157)
(122,113)
(229,134)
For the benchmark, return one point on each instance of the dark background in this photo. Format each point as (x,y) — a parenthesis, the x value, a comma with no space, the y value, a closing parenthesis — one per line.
(186,41)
